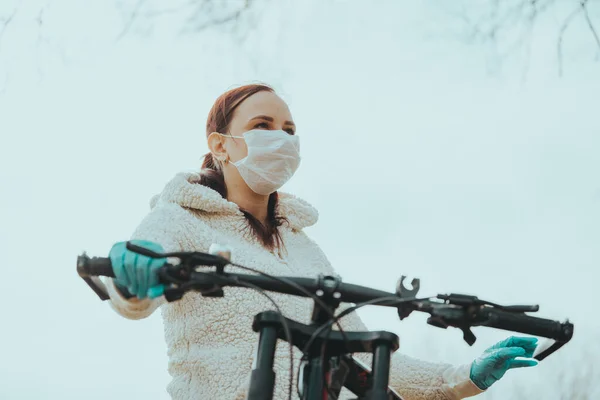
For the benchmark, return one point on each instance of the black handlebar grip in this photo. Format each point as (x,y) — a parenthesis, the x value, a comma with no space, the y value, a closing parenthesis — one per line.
(527,324)
(95,266)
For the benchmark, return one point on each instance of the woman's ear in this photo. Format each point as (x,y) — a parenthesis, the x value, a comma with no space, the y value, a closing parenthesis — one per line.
(216,146)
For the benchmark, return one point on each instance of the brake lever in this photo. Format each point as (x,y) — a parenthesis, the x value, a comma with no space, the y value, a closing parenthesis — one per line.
(146,252)
(97,286)
(543,351)
(441,315)
(188,259)
(468,300)
(94,282)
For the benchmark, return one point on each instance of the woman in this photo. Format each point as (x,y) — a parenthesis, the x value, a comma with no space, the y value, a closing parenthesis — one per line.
(234,201)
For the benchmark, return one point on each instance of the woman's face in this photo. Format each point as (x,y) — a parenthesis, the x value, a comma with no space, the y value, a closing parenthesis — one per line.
(262,110)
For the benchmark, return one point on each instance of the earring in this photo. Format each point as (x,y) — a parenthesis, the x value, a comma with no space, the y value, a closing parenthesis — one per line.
(225,160)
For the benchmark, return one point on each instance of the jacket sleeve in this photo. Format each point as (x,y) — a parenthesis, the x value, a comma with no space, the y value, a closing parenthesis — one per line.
(160,226)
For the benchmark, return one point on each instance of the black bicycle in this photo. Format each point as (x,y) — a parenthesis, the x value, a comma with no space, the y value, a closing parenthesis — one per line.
(327,362)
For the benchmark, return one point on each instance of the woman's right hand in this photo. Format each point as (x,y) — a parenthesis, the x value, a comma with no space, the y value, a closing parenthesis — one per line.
(136,272)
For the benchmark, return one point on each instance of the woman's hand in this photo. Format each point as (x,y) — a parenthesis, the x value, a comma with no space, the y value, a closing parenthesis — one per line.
(135,272)
(495,361)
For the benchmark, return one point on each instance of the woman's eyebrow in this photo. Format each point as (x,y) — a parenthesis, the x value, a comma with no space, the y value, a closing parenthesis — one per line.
(270,119)
(265,117)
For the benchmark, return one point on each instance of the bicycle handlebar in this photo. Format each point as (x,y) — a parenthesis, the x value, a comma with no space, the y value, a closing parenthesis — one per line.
(525,324)
(96,266)
(455,310)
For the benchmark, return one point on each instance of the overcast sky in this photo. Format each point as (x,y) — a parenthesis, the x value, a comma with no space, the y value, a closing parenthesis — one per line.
(423,154)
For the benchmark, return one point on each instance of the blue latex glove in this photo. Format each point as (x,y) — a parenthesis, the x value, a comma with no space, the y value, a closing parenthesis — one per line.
(495,361)
(136,272)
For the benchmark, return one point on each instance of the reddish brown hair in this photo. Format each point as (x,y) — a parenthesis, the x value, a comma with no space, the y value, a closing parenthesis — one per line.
(219,118)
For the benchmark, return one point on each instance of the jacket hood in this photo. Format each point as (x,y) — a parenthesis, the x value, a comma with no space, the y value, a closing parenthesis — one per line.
(185,190)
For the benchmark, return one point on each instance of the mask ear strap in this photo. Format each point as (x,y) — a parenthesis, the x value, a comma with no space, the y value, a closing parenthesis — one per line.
(237,137)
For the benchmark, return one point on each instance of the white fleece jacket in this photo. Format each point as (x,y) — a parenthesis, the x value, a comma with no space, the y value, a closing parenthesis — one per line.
(210,341)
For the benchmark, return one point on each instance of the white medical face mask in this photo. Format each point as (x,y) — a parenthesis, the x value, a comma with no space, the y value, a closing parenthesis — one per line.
(273,158)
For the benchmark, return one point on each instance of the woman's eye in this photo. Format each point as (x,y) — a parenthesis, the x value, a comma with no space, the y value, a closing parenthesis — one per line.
(290,131)
(262,125)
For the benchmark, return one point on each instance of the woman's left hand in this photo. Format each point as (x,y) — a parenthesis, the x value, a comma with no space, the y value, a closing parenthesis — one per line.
(495,361)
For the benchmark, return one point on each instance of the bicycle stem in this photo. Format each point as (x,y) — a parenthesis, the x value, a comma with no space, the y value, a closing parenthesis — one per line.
(318,368)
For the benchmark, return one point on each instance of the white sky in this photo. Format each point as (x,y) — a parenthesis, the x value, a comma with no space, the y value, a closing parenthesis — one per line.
(423,156)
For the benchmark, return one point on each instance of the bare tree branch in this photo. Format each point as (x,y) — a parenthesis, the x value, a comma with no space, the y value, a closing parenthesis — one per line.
(508,25)
(45,42)
(40,40)
(528,43)
(6,21)
(561,34)
(131,20)
(590,24)
(208,5)
(201,14)
(166,11)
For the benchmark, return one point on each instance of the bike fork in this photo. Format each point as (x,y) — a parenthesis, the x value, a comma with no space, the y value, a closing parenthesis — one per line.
(262,380)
